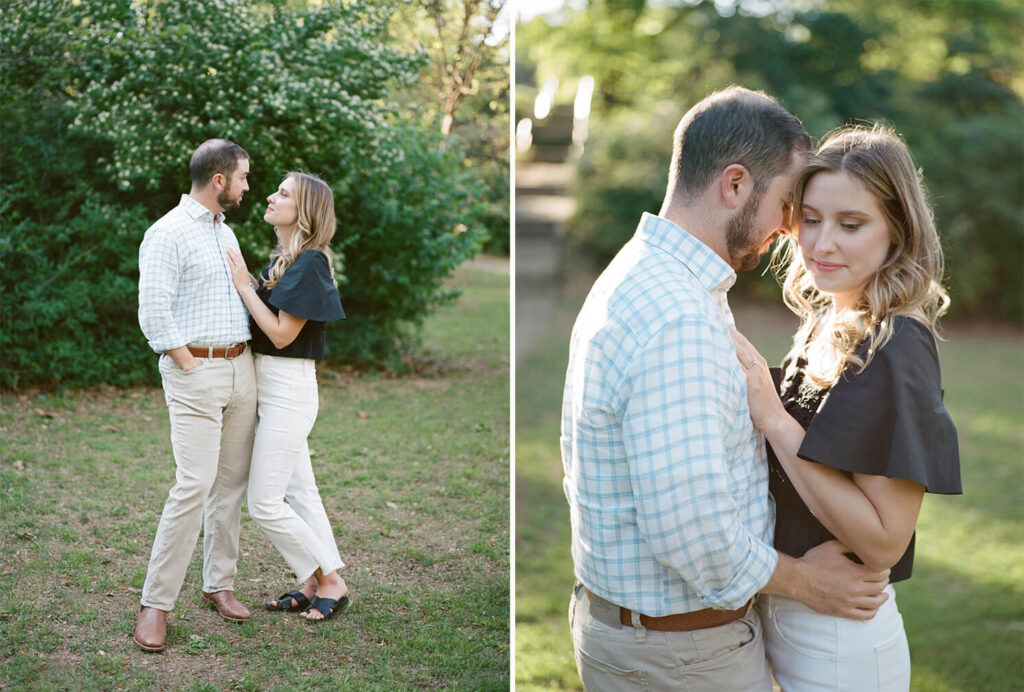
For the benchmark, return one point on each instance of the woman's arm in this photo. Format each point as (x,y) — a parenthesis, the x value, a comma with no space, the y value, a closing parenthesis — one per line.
(874,516)
(281,328)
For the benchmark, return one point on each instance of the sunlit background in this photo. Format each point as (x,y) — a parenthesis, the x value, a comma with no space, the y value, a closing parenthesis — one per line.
(600,87)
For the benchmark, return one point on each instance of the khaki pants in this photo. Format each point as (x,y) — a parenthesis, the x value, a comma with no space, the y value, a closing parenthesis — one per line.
(283,496)
(730,657)
(213,418)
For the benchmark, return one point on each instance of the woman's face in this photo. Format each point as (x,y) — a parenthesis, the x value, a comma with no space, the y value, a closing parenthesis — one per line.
(282,210)
(843,236)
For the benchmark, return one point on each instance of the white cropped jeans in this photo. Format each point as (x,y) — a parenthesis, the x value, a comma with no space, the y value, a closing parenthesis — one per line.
(283,497)
(812,652)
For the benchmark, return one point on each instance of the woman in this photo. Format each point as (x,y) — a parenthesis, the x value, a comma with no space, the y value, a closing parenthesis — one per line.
(857,429)
(295,296)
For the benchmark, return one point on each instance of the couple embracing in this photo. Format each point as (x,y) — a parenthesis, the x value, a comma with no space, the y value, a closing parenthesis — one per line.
(730,523)
(238,370)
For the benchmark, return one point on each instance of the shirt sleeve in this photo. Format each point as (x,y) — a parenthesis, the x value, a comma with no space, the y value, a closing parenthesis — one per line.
(306,289)
(674,431)
(889,420)
(158,288)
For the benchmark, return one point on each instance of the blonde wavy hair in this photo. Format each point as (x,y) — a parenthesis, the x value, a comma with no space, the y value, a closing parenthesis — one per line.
(313,230)
(909,282)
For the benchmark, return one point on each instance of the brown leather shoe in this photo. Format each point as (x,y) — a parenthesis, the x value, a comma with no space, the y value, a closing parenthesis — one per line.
(151,629)
(227,605)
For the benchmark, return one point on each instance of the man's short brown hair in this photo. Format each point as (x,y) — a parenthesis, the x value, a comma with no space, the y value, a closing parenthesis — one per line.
(731,126)
(214,156)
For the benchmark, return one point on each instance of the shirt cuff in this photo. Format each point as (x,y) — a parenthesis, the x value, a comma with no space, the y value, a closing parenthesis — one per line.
(167,341)
(750,577)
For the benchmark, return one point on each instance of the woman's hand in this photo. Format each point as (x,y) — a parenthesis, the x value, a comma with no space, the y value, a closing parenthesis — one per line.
(762,398)
(239,273)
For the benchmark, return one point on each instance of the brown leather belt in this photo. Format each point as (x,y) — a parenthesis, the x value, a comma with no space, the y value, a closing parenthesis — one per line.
(212,352)
(683,622)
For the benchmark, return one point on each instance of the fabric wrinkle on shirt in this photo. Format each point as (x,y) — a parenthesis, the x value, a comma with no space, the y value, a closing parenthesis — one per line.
(664,473)
(186,293)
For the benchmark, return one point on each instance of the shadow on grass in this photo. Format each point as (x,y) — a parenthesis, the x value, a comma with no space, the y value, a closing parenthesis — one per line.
(965,632)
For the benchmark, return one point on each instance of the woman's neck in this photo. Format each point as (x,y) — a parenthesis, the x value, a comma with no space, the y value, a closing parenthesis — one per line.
(284,234)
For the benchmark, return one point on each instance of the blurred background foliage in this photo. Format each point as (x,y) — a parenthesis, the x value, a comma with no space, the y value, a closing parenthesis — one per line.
(945,73)
(104,101)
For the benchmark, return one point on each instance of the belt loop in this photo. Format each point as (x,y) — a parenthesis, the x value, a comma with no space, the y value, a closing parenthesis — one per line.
(641,631)
(209,350)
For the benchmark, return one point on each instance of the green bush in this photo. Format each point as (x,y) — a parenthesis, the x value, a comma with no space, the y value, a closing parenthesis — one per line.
(104,103)
(401,236)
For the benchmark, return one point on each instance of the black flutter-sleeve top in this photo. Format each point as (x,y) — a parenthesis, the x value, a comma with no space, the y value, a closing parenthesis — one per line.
(887,421)
(306,289)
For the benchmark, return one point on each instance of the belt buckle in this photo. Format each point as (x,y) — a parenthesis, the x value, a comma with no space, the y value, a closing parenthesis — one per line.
(227,351)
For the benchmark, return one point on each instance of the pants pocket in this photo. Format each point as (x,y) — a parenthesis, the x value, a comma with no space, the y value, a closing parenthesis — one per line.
(806,633)
(600,675)
(893,660)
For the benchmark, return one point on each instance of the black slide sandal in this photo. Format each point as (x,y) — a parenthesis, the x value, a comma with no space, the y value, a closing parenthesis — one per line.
(301,602)
(327,606)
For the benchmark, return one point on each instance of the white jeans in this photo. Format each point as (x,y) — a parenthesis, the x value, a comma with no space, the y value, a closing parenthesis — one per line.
(283,497)
(812,652)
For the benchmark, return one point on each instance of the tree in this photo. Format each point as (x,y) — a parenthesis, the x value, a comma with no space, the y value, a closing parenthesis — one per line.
(463,40)
(104,103)
(945,74)
(464,91)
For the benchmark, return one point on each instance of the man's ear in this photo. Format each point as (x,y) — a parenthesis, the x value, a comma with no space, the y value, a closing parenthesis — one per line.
(735,185)
(219,181)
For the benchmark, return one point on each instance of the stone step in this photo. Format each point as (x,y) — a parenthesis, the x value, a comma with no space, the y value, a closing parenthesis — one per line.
(543,230)
(549,153)
(544,208)
(534,178)
(538,259)
(552,132)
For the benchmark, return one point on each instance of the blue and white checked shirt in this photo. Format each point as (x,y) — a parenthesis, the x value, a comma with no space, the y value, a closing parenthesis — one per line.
(186,295)
(665,475)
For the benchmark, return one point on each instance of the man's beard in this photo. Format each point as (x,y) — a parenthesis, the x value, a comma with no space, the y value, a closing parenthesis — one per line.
(740,236)
(226,202)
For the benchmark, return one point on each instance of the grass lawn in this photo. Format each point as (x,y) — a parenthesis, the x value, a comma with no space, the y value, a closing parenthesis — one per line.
(964,606)
(414,475)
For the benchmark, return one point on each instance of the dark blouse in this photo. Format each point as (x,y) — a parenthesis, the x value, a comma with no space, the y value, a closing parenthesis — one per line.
(306,289)
(888,421)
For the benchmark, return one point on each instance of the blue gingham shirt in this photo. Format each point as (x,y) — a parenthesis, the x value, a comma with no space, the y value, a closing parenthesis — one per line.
(186,295)
(665,475)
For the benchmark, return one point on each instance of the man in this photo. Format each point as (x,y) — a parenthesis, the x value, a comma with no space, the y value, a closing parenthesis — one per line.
(665,474)
(190,312)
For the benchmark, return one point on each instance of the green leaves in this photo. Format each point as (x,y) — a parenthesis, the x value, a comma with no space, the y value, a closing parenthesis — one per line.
(104,104)
(940,72)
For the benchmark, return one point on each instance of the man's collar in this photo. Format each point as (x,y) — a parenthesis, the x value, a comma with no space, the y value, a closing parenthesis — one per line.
(197,210)
(711,271)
